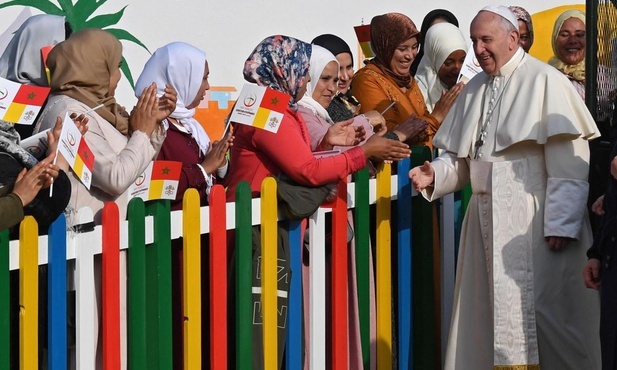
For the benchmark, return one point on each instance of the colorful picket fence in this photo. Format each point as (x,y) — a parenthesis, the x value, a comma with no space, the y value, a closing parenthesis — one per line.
(145,241)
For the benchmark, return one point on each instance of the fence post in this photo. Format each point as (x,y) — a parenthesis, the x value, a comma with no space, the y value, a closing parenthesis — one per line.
(339,280)
(425,326)
(384,271)
(191,247)
(269,266)
(28,294)
(405,279)
(317,309)
(137,317)
(111,286)
(218,278)
(295,332)
(158,285)
(5,300)
(244,302)
(56,287)
(363,262)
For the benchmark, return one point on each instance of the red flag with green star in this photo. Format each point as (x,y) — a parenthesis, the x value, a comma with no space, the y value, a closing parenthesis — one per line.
(21,103)
(164,180)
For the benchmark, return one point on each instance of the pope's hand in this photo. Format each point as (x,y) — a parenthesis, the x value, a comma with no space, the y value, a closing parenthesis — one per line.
(422,176)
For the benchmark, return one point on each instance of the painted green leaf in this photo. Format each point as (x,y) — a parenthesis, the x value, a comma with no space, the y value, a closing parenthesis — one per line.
(45,6)
(67,7)
(87,7)
(125,35)
(127,73)
(104,20)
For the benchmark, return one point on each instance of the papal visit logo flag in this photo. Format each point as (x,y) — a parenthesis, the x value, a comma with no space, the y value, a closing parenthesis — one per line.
(76,151)
(158,181)
(261,107)
(20,103)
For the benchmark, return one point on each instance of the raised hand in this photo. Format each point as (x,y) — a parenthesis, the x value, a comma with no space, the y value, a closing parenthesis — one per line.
(375,118)
(443,105)
(343,134)
(383,149)
(53,135)
(215,157)
(422,176)
(144,114)
(30,182)
(409,130)
(167,103)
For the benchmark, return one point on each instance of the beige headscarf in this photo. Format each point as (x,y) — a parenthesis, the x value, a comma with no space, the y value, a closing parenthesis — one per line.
(81,68)
(576,71)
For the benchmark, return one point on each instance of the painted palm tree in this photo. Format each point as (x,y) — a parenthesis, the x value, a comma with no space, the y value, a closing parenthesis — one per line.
(81,15)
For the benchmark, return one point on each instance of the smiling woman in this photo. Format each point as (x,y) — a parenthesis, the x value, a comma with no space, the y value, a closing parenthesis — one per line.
(387,79)
(569,47)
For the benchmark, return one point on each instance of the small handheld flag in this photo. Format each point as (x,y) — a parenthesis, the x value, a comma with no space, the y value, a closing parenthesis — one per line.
(158,181)
(21,103)
(261,107)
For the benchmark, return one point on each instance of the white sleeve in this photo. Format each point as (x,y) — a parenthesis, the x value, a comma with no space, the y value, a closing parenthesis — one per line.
(451,174)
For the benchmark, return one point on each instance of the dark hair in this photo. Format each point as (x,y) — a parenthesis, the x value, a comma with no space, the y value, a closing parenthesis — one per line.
(426,24)
(68,30)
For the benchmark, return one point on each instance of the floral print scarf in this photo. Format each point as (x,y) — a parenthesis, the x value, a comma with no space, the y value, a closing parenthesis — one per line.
(281,63)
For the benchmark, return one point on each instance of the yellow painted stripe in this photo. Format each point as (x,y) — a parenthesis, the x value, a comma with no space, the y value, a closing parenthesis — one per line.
(261,118)
(156,189)
(384,273)
(78,167)
(192,279)
(28,294)
(14,112)
(269,271)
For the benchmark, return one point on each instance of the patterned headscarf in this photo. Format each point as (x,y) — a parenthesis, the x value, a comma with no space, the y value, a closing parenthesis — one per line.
(577,71)
(81,67)
(388,31)
(279,62)
(522,15)
(21,61)
(182,66)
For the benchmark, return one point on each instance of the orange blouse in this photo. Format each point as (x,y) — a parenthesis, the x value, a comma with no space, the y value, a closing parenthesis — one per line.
(375,91)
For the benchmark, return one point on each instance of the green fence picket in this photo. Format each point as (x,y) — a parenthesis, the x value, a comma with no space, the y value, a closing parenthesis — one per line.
(136,280)
(244,295)
(158,287)
(423,289)
(362,243)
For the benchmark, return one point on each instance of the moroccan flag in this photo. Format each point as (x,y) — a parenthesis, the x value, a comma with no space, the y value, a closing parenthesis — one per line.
(261,107)
(164,180)
(84,162)
(21,103)
(363,33)
(75,151)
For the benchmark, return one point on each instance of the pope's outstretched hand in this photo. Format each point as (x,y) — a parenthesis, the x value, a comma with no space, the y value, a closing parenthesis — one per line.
(422,176)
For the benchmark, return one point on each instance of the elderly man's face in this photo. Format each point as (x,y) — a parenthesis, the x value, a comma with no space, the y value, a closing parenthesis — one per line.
(492,45)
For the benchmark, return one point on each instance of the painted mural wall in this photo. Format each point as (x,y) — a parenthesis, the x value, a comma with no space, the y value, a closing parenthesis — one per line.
(228,30)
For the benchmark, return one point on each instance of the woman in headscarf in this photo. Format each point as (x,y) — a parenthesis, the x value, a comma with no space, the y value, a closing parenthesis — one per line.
(386,78)
(445,50)
(21,61)
(85,70)
(282,63)
(525,27)
(185,68)
(433,17)
(569,43)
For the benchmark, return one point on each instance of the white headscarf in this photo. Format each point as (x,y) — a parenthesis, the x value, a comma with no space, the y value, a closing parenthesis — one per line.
(21,61)
(441,40)
(320,57)
(182,66)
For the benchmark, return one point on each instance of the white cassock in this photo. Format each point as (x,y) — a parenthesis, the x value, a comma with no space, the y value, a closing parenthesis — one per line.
(518,304)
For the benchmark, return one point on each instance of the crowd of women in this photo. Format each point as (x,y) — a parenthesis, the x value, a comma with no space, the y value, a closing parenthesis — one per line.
(397,99)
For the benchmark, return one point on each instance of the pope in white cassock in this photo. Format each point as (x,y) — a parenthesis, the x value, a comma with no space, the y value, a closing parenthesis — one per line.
(518,131)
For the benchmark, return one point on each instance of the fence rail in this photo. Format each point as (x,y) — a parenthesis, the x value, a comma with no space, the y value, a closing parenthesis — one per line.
(135,281)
